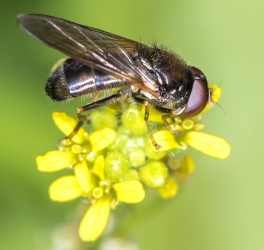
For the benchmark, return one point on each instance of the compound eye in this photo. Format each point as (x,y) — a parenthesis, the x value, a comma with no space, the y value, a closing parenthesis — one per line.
(199,95)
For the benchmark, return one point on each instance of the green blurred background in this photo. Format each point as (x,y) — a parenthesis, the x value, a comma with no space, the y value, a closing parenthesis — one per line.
(221,206)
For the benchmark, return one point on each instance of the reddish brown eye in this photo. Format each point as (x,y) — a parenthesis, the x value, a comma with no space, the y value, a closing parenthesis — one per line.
(199,95)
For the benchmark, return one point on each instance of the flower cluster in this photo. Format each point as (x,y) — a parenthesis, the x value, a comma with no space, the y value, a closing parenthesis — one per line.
(113,160)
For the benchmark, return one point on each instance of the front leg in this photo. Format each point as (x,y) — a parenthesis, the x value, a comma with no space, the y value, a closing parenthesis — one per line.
(169,113)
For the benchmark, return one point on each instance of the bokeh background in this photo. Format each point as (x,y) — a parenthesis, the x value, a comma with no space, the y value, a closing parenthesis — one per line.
(221,206)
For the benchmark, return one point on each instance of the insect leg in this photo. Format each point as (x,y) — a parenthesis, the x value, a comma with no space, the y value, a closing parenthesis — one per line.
(97,104)
(146,116)
(170,113)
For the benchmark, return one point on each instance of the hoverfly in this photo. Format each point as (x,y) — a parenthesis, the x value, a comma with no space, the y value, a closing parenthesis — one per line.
(98,61)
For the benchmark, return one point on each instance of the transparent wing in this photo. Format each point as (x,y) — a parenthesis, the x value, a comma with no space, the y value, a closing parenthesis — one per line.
(96,48)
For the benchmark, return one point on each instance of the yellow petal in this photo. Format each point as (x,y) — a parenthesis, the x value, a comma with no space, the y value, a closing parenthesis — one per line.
(95,220)
(164,139)
(187,166)
(102,138)
(66,124)
(83,176)
(216,94)
(65,189)
(170,189)
(208,144)
(129,191)
(55,161)
(98,168)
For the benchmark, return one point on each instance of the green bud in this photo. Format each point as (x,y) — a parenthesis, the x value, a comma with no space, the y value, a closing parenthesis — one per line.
(120,143)
(154,174)
(151,154)
(116,165)
(103,118)
(123,130)
(137,157)
(133,119)
(131,175)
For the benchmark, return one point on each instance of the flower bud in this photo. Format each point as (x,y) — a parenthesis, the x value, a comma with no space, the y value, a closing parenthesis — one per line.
(116,165)
(154,174)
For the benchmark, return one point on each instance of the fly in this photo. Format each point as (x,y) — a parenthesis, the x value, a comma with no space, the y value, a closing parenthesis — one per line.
(99,61)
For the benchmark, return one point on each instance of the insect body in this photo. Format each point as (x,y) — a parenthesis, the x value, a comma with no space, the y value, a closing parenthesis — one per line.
(101,61)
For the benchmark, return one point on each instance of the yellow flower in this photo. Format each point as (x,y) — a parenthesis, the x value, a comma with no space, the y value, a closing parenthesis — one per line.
(81,147)
(97,189)
(85,155)
(110,163)
(189,134)
(208,144)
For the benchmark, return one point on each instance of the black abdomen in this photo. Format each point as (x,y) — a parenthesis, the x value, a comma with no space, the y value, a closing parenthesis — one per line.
(72,79)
